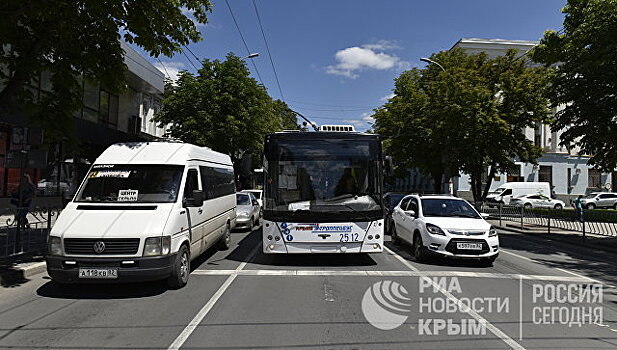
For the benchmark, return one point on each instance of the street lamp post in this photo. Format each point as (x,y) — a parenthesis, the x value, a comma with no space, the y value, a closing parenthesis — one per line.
(429,61)
(253,55)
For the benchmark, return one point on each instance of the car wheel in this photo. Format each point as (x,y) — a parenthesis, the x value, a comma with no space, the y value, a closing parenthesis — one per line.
(419,251)
(225,242)
(181,269)
(591,206)
(527,205)
(558,206)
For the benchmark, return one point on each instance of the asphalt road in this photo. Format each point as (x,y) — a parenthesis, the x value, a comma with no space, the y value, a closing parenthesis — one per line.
(242,298)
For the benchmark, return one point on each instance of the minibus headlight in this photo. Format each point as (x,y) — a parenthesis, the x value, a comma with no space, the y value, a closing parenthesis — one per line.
(55,245)
(492,232)
(153,246)
(434,229)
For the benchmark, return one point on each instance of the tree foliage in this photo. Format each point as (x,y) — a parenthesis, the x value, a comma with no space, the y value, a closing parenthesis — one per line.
(71,38)
(470,117)
(584,86)
(223,108)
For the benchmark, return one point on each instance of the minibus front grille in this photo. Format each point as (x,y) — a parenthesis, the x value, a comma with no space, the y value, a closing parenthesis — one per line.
(115,246)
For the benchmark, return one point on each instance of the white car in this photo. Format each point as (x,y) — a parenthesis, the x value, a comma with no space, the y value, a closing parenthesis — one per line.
(600,200)
(537,201)
(444,226)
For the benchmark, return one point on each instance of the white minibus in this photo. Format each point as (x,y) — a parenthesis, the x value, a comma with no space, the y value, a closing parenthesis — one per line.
(143,212)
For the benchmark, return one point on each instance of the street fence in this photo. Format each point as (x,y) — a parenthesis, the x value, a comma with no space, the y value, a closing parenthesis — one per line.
(24,231)
(599,222)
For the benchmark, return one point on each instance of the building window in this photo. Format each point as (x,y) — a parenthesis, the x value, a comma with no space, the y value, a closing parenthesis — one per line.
(569,180)
(91,102)
(514,174)
(537,140)
(594,178)
(546,174)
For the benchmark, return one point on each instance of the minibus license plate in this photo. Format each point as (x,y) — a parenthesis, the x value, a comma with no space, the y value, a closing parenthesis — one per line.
(469,246)
(98,273)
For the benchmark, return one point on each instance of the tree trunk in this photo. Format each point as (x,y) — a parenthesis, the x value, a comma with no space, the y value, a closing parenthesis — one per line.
(489,181)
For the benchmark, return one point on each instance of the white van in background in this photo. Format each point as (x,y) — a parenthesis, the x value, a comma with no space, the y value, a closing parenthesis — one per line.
(143,212)
(509,190)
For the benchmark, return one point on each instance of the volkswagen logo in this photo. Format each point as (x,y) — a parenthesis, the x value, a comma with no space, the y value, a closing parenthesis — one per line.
(99,247)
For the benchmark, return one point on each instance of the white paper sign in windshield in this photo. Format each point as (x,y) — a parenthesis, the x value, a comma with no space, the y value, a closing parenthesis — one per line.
(123,174)
(128,195)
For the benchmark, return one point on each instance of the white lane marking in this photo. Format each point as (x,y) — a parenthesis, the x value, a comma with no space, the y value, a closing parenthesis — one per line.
(190,328)
(496,331)
(362,273)
(587,279)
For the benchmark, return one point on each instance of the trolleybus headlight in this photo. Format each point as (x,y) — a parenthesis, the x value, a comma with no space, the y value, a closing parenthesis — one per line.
(377,236)
(269,237)
(55,245)
(277,238)
(271,247)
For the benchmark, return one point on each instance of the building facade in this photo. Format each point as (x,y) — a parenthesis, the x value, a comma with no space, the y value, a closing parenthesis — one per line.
(564,168)
(105,117)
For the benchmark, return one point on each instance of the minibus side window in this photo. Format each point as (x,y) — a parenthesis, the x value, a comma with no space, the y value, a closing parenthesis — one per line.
(191,183)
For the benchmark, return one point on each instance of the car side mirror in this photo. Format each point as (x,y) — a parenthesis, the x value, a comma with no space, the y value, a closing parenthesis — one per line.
(255,202)
(410,213)
(196,200)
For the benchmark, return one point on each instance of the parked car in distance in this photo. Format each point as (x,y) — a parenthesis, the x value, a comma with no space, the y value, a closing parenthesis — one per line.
(258,194)
(48,187)
(600,200)
(444,226)
(504,193)
(537,201)
(391,199)
(247,210)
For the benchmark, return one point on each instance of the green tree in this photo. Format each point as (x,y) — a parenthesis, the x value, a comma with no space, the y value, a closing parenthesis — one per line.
(470,117)
(584,86)
(74,38)
(223,108)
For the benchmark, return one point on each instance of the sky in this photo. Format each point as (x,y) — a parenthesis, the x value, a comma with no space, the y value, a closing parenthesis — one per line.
(336,60)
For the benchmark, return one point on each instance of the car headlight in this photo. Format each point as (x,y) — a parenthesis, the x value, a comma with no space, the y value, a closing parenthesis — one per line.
(55,245)
(434,229)
(492,232)
(243,214)
(157,246)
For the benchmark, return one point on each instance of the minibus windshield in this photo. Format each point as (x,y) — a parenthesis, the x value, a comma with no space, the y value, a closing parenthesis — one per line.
(131,183)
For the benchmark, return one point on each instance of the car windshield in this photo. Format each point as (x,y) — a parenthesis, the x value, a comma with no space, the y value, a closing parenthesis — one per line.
(131,183)
(257,194)
(243,199)
(448,208)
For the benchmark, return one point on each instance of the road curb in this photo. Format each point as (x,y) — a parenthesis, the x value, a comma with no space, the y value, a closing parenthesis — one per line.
(578,242)
(16,273)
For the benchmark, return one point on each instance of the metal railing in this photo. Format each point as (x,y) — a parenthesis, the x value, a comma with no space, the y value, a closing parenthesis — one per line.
(24,231)
(599,222)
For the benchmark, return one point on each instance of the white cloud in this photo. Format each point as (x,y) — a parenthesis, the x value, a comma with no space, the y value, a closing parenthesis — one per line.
(388,96)
(364,122)
(171,69)
(382,45)
(355,59)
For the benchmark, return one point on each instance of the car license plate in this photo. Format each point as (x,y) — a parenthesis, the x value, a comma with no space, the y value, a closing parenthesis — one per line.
(469,246)
(98,273)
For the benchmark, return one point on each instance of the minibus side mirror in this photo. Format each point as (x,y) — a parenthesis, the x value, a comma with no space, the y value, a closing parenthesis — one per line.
(196,200)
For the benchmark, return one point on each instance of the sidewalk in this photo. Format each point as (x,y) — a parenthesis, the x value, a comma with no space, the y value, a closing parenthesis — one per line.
(594,241)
